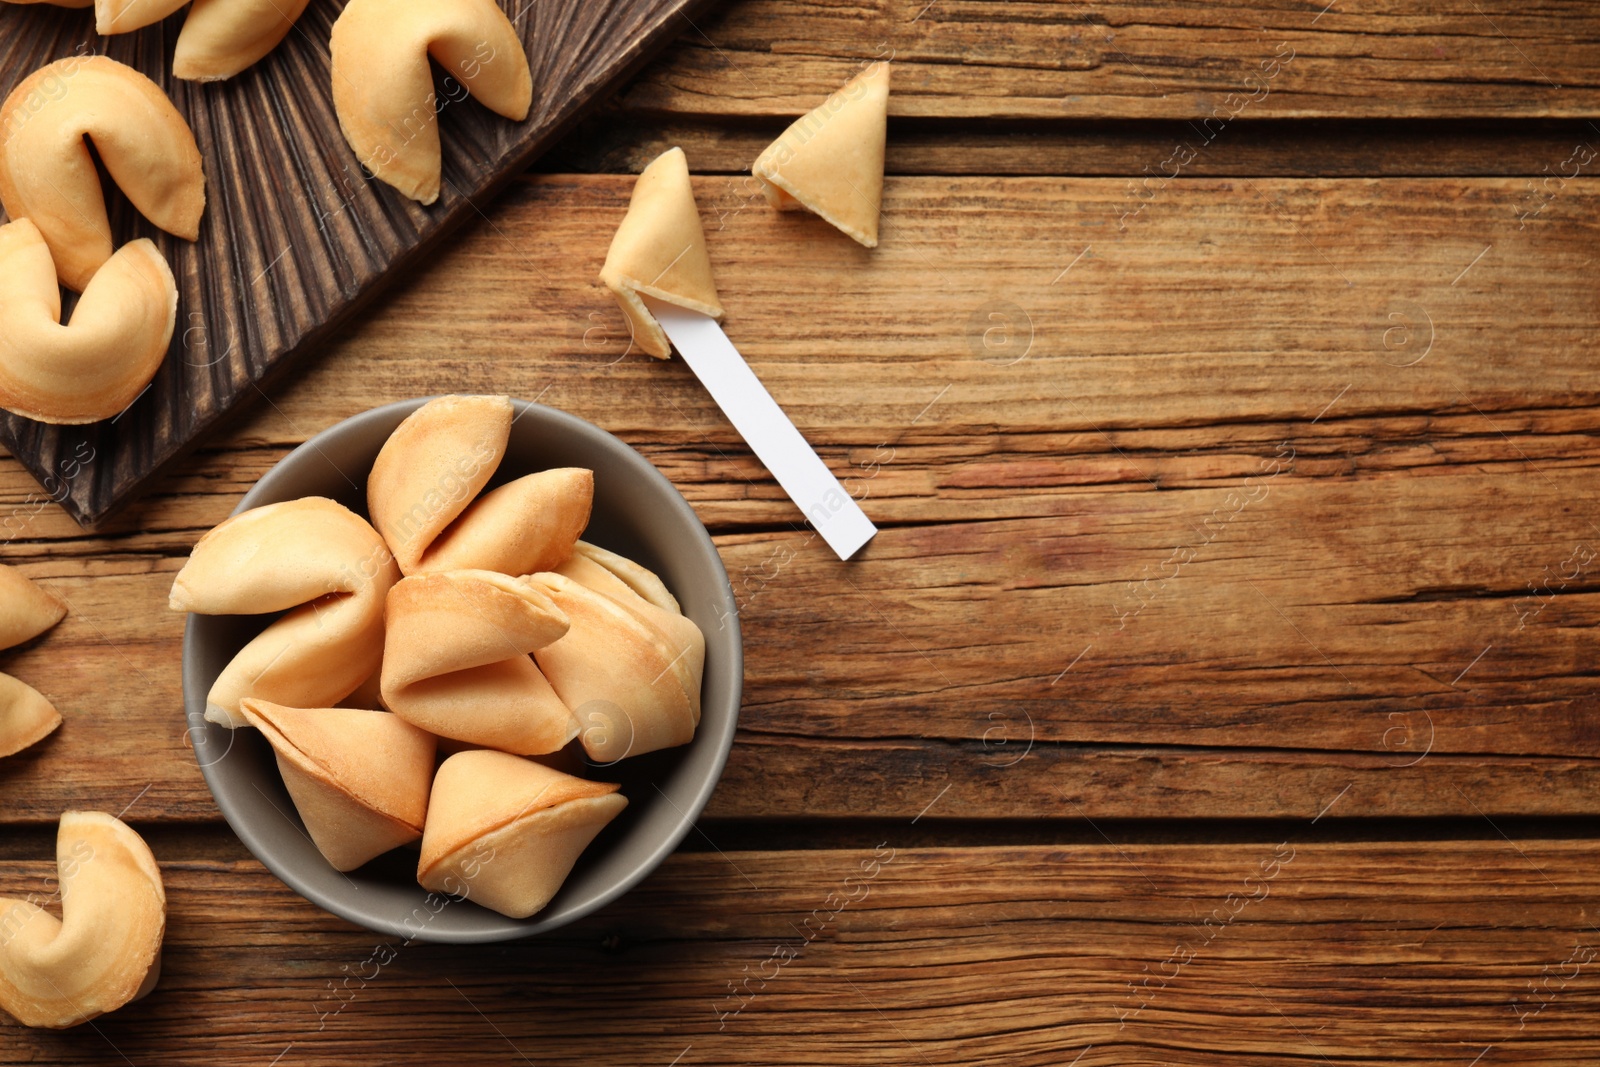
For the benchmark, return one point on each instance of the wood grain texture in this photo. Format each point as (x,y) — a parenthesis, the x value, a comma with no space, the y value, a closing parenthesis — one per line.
(1384,626)
(296,236)
(1288,561)
(1296,953)
(1181,59)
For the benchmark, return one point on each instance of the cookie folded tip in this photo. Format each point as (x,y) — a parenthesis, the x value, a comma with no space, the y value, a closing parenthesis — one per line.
(830,160)
(659,250)
(26,717)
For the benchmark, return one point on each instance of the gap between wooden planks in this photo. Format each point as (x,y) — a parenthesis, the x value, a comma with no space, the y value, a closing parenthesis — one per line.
(617,140)
(1273,952)
(1386,593)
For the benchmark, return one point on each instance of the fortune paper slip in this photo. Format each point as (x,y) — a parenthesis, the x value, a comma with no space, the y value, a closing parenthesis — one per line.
(660,272)
(767,430)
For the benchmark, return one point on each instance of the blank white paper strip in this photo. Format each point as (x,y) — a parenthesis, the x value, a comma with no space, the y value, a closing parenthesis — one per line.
(765,428)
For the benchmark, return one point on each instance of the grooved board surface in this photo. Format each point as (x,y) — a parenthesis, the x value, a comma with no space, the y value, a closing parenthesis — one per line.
(295,236)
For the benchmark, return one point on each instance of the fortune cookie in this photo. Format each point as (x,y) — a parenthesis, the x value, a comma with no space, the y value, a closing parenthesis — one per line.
(26,611)
(423,494)
(505,832)
(830,161)
(660,251)
(629,670)
(106,950)
(125,16)
(368,696)
(47,174)
(359,779)
(456,660)
(639,590)
(26,717)
(383,87)
(97,364)
(616,576)
(318,561)
(219,39)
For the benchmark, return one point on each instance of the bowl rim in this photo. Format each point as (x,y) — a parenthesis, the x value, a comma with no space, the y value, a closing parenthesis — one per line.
(542,921)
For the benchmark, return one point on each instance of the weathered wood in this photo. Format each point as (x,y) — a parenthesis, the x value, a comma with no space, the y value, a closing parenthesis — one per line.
(1069,58)
(1003,777)
(1290,953)
(1255,312)
(1397,622)
(1215,65)
(296,236)
(1406,580)
(1292,649)
(1258,300)
(1017,474)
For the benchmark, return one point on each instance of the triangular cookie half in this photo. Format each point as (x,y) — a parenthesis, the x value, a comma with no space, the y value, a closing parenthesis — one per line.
(26,717)
(660,251)
(830,162)
(505,831)
(26,610)
(360,779)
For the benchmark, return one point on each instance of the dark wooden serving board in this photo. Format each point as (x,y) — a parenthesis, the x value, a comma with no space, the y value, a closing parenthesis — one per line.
(295,237)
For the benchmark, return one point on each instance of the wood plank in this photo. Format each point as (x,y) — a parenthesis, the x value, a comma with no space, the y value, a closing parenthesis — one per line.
(1494,271)
(296,235)
(1177,59)
(1291,652)
(1274,951)
(1425,517)
(1001,776)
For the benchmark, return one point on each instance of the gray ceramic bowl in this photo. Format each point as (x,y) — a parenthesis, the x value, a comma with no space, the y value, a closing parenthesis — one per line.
(638,513)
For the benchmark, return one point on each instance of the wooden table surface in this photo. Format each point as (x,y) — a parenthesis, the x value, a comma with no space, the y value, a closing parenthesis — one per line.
(1221,687)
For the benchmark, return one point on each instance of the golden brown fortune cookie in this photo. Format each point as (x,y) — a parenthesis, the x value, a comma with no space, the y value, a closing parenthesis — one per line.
(456,660)
(638,589)
(97,364)
(125,16)
(359,779)
(616,576)
(505,832)
(106,949)
(318,561)
(47,174)
(423,494)
(660,251)
(26,611)
(830,161)
(383,89)
(629,670)
(26,717)
(219,39)
(368,696)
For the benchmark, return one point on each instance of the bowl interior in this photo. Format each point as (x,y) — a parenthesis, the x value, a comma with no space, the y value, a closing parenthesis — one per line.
(637,513)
